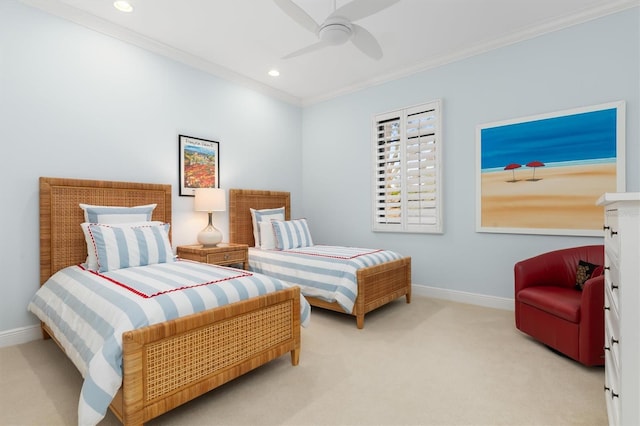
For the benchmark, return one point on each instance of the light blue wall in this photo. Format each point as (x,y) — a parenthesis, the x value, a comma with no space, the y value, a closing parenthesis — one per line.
(76,103)
(588,64)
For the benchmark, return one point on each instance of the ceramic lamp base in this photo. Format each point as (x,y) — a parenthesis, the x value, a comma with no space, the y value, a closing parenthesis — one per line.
(210,236)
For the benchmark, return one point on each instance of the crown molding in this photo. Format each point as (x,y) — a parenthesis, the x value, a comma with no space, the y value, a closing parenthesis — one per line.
(95,23)
(526,34)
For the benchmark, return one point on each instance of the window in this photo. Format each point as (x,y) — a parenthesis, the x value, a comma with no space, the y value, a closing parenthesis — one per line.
(407,195)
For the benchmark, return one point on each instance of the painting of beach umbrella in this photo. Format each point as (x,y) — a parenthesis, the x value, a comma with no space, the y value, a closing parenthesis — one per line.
(512,167)
(534,165)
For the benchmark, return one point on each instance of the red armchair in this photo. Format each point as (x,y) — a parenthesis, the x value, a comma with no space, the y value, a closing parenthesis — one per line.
(549,307)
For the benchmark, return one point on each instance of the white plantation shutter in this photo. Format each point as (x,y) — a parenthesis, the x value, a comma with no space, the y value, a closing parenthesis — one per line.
(407,170)
(388,172)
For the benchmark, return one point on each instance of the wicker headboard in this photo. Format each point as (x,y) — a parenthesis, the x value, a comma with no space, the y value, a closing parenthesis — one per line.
(62,241)
(241,200)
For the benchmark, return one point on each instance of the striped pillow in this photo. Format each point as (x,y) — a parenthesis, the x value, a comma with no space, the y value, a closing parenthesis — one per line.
(92,262)
(118,247)
(110,214)
(292,234)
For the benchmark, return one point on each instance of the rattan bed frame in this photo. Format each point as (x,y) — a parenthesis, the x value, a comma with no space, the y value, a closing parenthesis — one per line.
(167,364)
(377,285)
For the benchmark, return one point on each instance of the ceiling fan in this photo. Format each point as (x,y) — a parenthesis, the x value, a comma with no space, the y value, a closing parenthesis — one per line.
(339,28)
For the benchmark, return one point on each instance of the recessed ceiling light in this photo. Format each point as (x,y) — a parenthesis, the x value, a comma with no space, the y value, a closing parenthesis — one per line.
(274,73)
(123,6)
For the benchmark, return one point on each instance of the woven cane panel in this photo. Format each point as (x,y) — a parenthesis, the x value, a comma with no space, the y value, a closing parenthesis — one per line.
(383,284)
(197,354)
(240,203)
(66,217)
(61,215)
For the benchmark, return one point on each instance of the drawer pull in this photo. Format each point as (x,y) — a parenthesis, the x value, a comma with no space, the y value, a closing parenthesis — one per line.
(607,348)
(614,395)
(606,388)
(613,232)
(614,341)
(606,268)
(605,227)
(606,308)
(613,286)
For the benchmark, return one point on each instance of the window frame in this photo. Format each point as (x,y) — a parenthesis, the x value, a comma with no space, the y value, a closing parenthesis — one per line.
(429,145)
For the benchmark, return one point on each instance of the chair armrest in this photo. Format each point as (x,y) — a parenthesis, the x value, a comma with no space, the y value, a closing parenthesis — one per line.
(592,321)
(592,300)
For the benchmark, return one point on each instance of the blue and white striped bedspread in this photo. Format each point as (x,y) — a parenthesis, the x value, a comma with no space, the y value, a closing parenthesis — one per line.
(88,312)
(325,272)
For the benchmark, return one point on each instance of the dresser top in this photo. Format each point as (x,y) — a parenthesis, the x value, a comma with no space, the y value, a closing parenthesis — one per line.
(612,197)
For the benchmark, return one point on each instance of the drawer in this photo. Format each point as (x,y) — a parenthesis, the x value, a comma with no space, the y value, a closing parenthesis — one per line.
(612,284)
(611,236)
(611,258)
(232,256)
(611,252)
(612,341)
(611,217)
(611,391)
(611,311)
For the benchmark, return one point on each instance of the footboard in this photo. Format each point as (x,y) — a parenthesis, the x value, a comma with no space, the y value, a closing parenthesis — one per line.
(168,364)
(377,285)
(380,284)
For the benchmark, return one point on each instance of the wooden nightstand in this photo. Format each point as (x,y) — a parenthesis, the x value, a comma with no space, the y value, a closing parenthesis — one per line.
(222,254)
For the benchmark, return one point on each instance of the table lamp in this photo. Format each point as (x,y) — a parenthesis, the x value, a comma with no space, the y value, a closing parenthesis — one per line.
(210,200)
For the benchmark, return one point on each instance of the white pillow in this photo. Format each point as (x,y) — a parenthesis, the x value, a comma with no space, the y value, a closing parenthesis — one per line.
(292,234)
(114,214)
(264,215)
(92,260)
(267,236)
(120,246)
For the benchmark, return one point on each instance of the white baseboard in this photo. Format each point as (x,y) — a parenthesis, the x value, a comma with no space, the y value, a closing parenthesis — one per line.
(464,297)
(20,335)
(27,334)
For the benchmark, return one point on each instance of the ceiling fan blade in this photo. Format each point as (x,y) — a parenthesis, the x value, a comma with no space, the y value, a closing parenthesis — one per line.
(298,14)
(358,9)
(311,48)
(366,42)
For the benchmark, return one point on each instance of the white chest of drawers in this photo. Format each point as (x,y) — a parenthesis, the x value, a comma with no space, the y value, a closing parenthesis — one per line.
(622,306)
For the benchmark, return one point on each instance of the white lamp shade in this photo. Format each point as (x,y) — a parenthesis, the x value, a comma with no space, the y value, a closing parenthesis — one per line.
(210,200)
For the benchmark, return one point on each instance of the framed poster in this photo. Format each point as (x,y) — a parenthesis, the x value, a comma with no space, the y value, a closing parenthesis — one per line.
(199,164)
(543,174)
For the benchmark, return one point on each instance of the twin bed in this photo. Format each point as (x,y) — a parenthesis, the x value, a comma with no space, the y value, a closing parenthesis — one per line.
(165,363)
(377,285)
(169,363)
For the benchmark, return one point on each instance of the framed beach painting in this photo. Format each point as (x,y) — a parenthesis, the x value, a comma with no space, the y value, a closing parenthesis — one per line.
(543,174)
(199,164)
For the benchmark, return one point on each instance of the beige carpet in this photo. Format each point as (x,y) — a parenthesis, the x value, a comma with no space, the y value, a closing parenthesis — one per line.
(431,362)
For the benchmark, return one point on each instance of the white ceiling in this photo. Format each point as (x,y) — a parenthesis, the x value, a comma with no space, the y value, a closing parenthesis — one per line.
(241,40)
